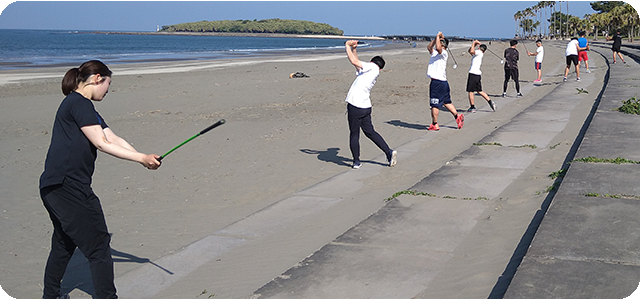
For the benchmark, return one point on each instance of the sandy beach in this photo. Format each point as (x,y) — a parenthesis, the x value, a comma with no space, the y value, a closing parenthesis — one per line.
(282,135)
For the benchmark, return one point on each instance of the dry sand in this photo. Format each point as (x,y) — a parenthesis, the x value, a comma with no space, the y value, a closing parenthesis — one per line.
(282,135)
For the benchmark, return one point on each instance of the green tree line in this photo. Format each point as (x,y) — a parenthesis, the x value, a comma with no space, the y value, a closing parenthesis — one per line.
(256,26)
(546,19)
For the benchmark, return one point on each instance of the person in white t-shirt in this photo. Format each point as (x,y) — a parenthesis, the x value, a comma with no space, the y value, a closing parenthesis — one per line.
(573,48)
(439,91)
(474,85)
(359,105)
(539,54)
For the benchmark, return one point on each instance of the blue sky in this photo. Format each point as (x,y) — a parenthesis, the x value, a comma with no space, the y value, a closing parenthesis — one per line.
(454,18)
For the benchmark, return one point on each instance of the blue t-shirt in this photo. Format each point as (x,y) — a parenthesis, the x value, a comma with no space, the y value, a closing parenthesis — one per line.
(582,42)
(71,154)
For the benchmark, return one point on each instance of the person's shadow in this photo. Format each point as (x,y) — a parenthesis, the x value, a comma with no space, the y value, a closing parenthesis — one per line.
(78,274)
(407,125)
(331,155)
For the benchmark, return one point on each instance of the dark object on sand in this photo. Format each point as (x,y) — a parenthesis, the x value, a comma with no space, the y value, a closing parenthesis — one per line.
(298,75)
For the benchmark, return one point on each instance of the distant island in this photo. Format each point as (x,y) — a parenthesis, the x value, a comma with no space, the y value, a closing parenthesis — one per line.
(274,26)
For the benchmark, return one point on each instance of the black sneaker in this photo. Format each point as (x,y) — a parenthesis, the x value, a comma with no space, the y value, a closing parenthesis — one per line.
(356,165)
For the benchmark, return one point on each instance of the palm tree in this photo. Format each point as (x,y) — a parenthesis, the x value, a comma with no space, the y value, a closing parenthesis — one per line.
(607,19)
(594,20)
(618,17)
(528,12)
(516,17)
(553,6)
(568,17)
(632,19)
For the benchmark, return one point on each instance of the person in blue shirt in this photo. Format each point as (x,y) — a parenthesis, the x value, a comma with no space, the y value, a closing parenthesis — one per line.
(583,43)
(65,185)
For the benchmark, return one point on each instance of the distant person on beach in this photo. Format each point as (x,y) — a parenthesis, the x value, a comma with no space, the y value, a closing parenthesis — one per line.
(359,105)
(571,54)
(439,91)
(474,79)
(617,43)
(511,57)
(539,54)
(583,43)
(65,185)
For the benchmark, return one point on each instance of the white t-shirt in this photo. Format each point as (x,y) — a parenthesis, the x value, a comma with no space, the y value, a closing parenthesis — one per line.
(437,68)
(360,90)
(539,54)
(572,48)
(476,62)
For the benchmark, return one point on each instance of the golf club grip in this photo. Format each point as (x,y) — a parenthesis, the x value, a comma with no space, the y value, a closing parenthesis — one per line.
(212,126)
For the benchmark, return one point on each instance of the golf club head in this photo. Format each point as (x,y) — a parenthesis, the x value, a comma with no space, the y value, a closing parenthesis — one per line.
(502,61)
(455,66)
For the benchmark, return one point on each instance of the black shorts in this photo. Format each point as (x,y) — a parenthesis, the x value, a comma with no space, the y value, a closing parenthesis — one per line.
(572,59)
(616,48)
(473,83)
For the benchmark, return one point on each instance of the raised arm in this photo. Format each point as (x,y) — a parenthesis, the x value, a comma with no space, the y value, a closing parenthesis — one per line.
(436,42)
(352,53)
(472,49)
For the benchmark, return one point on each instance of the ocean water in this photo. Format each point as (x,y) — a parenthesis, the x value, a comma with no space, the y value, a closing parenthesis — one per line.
(21,49)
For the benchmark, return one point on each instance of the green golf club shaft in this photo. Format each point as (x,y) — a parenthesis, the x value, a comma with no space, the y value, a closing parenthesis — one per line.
(193,137)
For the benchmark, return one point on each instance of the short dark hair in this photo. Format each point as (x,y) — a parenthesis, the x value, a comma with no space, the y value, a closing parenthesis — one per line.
(445,42)
(483,47)
(513,42)
(378,60)
(538,41)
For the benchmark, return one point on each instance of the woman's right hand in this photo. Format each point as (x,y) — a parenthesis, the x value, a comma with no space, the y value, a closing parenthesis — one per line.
(151,162)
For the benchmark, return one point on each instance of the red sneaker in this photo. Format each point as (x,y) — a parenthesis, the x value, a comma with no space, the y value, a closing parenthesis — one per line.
(434,127)
(460,120)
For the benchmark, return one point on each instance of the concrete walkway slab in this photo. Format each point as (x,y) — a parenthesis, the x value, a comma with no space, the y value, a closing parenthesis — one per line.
(409,243)
(587,247)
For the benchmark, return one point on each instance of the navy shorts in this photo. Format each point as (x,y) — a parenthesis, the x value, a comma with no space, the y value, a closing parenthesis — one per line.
(538,65)
(439,93)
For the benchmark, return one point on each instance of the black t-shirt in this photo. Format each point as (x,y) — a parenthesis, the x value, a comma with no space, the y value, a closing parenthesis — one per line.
(511,56)
(71,154)
(617,40)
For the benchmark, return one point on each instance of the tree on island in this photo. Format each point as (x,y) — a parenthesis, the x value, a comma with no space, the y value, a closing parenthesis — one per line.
(256,26)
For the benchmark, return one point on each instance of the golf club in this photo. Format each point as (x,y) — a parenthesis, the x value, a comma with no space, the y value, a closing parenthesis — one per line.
(501,60)
(525,47)
(455,63)
(193,137)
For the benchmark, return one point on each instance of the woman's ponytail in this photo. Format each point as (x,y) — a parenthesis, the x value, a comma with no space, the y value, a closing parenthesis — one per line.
(70,81)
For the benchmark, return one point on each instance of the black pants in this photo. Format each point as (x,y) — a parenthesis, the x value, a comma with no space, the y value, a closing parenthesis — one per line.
(511,74)
(78,221)
(361,118)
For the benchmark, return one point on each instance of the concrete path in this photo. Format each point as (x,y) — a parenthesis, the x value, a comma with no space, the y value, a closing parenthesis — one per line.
(587,246)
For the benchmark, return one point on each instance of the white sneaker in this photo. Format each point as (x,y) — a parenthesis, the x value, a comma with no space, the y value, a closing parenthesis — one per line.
(357,165)
(394,158)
